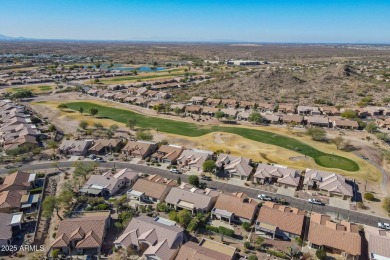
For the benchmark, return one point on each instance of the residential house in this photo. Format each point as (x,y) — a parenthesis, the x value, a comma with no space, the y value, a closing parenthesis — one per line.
(155,238)
(243,115)
(193,110)
(266,107)
(104,146)
(378,243)
(278,221)
(280,175)
(206,249)
(9,223)
(11,200)
(270,118)
(210,111)
(75,147)
(167,153)
(82,233)
(320,121)
(235,207)
(193,159)
(286,108)
(229,113)
(109,183)
(246,105)
(212,102)
(197,100)
(330,111)
(292,119)
(308,110)
(383,123)
(186,196)
(234,166)
(338,238)
(18,181)
(139,149)
(328,183)
(345,124)
(151,189)
(229,103)
(179,107)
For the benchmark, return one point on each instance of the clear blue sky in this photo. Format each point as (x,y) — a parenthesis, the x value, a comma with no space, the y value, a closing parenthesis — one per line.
(200,20)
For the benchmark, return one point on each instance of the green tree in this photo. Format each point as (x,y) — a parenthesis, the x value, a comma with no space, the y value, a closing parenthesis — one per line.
(50,205)
(369,196)
(247,245)
(62,106)
(318,134)
(173,216)
(82,169)
(253,257)
(81,110)
(208,166)
(246,225)
(93,111)
(321,254)
(83,124)
(52,145)
(131,123)
(259,240)
(144,135)
(193,180)
(219,115)
(350,114)
(371,127)
(255,118)
(184,217)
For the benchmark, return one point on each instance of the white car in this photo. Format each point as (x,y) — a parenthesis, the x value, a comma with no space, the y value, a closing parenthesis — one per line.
(315,201)
(174,170)
(384,225)
(264,197)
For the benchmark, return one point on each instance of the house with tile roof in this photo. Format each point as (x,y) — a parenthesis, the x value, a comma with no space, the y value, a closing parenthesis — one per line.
(155,238)
(19,180)
(167,154)
(234,166)
(206,250)
(154,188)
(328,183)
(82,233)
(9,222)
(378,243)
(75,147)
(188,197)
(193,159)
(235,207)
(139,149)
(277,174)
(104,146)
(278,221)
(109,183)
(337,237)
(10,201)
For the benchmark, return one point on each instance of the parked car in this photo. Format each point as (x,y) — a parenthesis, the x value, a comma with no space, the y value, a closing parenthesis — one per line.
(174,170)
(92,156)
(206,178)
(315,201)
(99,159)
(382,225)
(264,197)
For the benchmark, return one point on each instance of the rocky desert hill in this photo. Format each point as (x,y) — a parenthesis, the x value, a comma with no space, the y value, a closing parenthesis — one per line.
(334,85)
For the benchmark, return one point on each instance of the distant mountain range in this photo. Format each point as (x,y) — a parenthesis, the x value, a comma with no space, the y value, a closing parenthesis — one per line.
(9,38)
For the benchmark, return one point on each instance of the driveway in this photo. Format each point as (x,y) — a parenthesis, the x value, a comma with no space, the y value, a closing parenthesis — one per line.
(339,203)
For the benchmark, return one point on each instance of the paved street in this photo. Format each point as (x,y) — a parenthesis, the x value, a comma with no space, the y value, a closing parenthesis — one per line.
(353,216)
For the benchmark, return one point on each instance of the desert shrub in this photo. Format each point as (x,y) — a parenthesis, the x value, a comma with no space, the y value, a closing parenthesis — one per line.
(369,196)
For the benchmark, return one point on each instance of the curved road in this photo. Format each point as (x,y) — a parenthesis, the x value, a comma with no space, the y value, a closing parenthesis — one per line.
(353,216)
